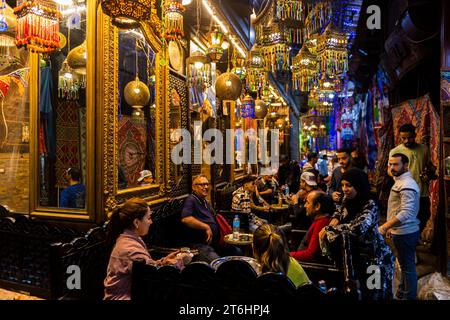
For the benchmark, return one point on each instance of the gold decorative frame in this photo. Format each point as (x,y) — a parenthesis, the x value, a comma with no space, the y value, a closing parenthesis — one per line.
(87,214)
(107,118)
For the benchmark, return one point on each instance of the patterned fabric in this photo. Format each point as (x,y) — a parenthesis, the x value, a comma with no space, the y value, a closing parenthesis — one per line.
(368,246)
(67,140)
(423,116)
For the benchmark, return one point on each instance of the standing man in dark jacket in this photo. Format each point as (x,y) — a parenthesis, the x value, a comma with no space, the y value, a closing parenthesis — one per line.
(344,159)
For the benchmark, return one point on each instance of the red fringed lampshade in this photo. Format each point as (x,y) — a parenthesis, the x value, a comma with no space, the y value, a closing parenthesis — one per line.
(37,25)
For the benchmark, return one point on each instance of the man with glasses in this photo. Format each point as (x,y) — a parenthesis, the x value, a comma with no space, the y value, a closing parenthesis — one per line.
(198,216)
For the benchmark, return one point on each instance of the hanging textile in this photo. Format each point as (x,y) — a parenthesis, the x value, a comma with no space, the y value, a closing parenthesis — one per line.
(46,112)
(68,144)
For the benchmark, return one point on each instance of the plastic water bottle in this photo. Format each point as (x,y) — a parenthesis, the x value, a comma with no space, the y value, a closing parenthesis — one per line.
(236,227)
(322,286)
(286,191)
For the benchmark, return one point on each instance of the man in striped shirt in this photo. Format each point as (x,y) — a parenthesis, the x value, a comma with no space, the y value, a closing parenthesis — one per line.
(242,202)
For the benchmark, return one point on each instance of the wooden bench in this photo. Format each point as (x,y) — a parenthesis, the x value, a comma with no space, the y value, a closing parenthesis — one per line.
(234,281)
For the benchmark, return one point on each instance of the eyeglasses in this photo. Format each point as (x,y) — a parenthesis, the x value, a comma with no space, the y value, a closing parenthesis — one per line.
(206,184)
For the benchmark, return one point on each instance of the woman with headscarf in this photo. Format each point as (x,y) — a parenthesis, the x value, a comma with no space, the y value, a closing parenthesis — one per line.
(358,217)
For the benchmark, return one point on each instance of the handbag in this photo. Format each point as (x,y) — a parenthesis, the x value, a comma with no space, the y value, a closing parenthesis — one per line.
(224,229)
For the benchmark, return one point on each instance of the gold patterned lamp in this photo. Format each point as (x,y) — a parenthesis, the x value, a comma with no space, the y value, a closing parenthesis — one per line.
(256,75)
(304,70)
(127,14)
(261,109)
(137,95)
(173,15)
(332,51)
(215,50)
(77,58)
(228,86)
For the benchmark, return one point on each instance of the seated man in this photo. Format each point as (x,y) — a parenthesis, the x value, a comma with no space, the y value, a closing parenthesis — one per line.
(243,202)
(74,195)
(319,206)
(265,189)
(198,215)
(308,184)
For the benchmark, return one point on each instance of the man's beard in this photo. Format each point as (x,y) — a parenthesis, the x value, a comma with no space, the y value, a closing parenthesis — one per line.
(398,173)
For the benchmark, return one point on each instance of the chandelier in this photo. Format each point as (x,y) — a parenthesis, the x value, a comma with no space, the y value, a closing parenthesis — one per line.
(215,50)
(173,17)
(127,14)
(37,25)
(304,70)
(332,51)
(256,75)
(318,18)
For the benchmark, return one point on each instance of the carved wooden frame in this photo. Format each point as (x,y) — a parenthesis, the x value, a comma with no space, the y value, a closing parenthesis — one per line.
(107,120)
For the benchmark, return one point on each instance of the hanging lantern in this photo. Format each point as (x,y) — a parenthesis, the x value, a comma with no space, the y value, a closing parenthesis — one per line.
(67,83)
(137,95)
(37,25)
(199,70)
(332,51)
(8,51)
(311,43)
(304,70)
(318,17)
(280,123)
(173,13)
(198,77)
(261,109)
(239,68)
(77,58)
(256,76)
(215,51)
(248,107)
(126,14)
(228,86)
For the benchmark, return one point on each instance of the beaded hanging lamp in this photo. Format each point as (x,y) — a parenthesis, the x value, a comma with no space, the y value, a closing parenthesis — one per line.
(332,51)
(256,75)
(173,15)
(37,25)
(304,70)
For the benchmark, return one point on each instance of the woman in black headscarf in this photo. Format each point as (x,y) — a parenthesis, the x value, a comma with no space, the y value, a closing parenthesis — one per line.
(358,218)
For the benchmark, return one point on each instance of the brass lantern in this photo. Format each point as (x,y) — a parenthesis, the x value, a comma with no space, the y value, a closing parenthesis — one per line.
(228,86)
(215,51)
(261,109)
(137,95)
(332,51)
(304,70)
(256,75)
(199,70)
(76,58)
(127,14)
(173,14)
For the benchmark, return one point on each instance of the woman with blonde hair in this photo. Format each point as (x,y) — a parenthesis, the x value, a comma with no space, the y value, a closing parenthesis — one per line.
(128,223)
(270,249)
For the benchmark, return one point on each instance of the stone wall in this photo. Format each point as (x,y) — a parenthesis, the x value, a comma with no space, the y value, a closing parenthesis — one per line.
(14,185)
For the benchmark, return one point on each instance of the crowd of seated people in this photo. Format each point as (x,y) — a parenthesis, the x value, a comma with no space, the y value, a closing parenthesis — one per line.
(330,202)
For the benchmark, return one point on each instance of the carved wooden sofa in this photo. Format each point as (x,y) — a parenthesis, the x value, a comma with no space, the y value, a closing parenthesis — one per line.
(234,281)
(25,247)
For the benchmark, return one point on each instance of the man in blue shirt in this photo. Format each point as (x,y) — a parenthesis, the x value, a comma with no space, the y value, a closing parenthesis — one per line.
(74,195)
(198,216)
